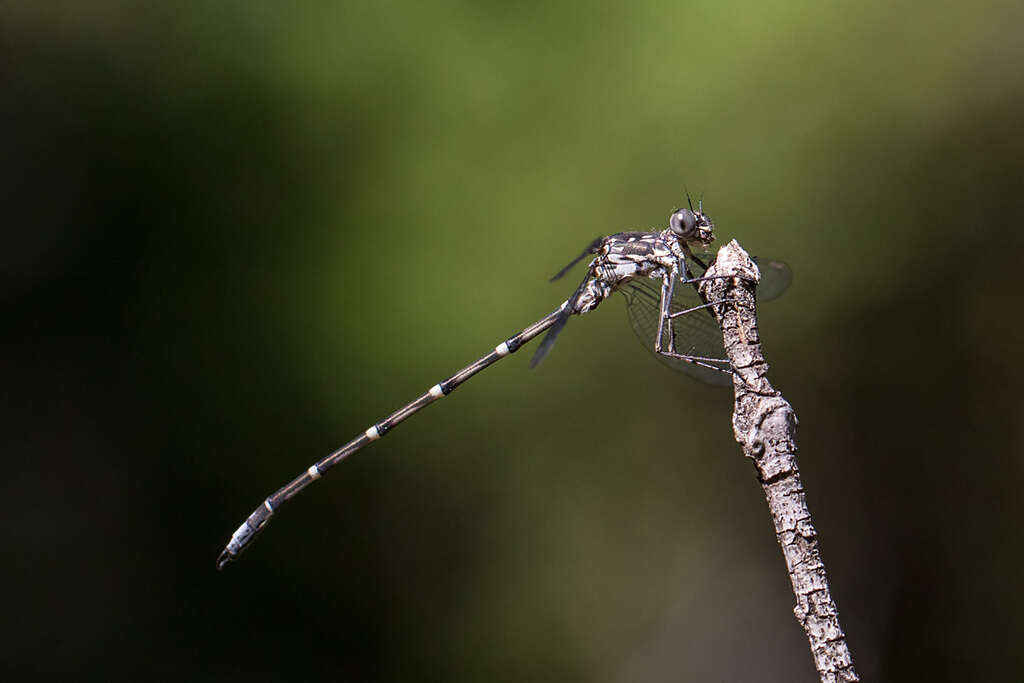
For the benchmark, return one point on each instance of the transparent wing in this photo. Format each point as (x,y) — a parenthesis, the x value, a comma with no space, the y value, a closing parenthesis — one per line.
(696,333)
(776,277)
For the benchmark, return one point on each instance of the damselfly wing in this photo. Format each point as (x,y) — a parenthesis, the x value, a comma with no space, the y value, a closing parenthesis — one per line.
(696,333)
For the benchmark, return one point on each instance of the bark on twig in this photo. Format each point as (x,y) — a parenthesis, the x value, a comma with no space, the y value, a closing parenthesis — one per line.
(765,427)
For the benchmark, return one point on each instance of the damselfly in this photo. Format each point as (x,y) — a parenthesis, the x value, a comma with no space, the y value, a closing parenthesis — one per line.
(658,273)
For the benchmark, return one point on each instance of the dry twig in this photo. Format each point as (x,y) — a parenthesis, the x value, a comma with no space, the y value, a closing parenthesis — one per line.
(765,427)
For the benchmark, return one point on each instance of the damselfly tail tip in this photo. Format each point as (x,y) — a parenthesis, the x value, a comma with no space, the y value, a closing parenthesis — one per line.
(224,559)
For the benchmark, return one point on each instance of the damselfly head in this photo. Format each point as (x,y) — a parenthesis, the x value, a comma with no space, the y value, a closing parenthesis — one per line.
(692,226)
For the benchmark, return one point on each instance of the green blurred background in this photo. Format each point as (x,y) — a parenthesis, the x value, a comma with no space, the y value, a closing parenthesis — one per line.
(238,233)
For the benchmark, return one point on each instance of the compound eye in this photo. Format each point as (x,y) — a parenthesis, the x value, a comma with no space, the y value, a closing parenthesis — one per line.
(683,222)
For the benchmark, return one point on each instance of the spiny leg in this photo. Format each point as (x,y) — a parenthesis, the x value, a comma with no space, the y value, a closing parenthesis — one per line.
(683,273)
(668,284)
(685,311)
(700,361)
(668,316)
(666,320)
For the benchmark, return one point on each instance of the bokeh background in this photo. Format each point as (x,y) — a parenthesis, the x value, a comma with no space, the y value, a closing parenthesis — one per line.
(238,233)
